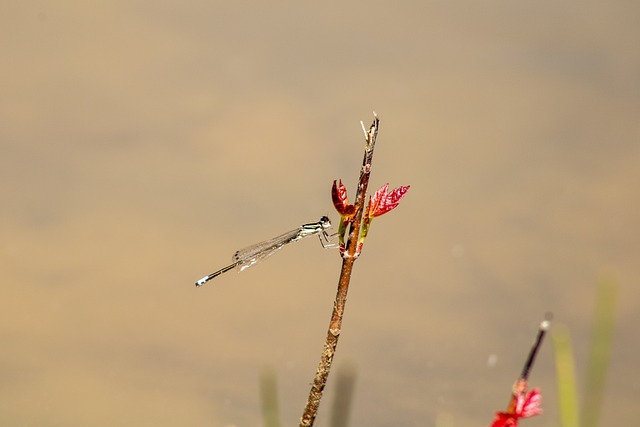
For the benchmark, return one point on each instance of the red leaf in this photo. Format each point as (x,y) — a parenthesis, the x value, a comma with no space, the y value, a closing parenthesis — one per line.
(524,404)
(340,200)
(504,420)
(384,201)
(529,404)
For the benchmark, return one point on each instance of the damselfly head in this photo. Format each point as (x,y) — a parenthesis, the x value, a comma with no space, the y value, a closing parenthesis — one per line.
(325,222)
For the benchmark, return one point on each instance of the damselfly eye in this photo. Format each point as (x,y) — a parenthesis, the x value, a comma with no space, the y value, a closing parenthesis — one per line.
(325,221)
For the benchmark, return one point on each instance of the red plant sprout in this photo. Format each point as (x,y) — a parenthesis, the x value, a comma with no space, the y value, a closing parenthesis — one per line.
(380,203)
(384,201)
(347,211)
(524,403)
(341,201)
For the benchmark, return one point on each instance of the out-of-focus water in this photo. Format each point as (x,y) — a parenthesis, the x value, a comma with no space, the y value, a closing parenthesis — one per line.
(141,143)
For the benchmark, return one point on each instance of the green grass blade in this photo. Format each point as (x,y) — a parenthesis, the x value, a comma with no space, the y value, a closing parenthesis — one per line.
(269,398)
(600,354)
(565,372)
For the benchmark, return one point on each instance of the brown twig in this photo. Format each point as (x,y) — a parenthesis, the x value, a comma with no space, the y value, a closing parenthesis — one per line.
(349,256)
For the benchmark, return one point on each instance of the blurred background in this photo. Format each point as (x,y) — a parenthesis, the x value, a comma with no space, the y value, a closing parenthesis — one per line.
(143,142)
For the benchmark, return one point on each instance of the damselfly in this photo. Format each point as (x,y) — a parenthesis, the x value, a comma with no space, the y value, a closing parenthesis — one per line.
(245,258)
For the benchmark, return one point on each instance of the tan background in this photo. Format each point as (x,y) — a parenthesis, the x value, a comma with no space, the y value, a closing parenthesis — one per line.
(142,142)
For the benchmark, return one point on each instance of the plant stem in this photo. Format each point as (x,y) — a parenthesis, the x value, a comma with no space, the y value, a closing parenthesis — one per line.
(349,257)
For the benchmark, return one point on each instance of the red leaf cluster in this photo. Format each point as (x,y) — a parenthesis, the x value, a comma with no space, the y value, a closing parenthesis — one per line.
(524,404)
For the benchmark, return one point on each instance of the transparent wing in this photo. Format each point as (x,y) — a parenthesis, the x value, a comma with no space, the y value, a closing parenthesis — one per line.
(255,253)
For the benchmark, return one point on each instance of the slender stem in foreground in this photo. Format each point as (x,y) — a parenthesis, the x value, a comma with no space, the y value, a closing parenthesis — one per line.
(542,330)
(349,257)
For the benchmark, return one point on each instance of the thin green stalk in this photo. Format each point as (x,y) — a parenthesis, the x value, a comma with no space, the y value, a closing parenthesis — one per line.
(566,378)
(600,354)
(269,398)
(345,384)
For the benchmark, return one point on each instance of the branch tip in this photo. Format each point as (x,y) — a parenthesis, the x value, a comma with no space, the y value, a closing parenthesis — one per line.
(544,325)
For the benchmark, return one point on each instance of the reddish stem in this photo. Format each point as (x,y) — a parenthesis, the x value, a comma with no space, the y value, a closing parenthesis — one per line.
(349,256)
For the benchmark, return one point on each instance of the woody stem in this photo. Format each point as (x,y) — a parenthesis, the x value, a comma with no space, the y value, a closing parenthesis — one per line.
(349,257)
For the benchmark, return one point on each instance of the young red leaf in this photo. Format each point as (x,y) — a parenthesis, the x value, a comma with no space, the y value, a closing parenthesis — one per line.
(524,404)
(504,420)
(529,404)
(340,200)
(384,201)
